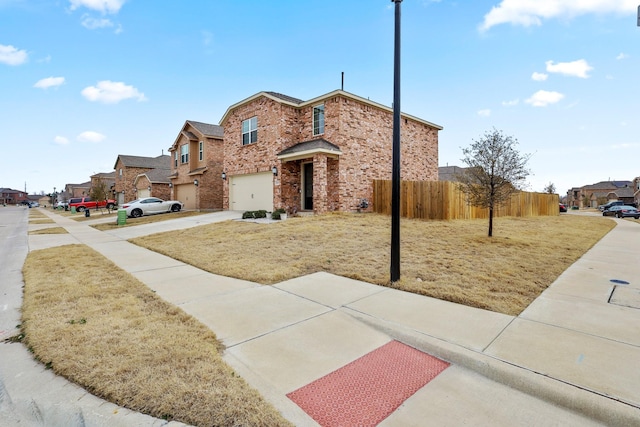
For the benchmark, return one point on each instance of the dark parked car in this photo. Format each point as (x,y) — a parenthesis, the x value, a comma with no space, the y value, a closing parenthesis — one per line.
(622,211)
(563,207)
(610,204)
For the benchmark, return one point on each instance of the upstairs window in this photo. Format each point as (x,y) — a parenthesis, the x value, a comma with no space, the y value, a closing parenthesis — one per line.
(184,153)
(318,119)
(201,151)
(250,131)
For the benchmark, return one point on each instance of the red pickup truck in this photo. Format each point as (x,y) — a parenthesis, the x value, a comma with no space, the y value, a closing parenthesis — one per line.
(82,203)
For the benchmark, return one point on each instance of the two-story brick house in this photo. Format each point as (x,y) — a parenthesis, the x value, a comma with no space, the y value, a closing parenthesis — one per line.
(318,155)
(196,166)
(128,168)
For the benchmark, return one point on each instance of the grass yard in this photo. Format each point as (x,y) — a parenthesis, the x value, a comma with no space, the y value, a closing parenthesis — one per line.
(101,328)
(450,260)
(50,230)
(146,220)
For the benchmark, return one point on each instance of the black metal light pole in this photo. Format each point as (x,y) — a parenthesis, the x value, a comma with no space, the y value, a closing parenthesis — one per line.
(395,173)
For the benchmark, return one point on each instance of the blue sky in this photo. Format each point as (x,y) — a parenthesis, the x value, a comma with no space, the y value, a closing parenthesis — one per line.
(82,81)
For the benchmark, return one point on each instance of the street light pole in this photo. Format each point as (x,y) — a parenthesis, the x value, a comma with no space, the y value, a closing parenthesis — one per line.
(395,173)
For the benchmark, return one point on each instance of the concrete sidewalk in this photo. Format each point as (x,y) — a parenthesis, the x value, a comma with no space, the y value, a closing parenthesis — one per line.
(571,358)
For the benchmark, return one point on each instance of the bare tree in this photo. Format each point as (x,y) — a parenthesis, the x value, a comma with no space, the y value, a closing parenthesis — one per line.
(550,188)
(496,170)
(99,191)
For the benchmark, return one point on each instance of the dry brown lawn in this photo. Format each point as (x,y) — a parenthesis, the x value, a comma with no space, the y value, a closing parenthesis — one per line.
(101,328)
(50,230)
(146,220)
(450,260)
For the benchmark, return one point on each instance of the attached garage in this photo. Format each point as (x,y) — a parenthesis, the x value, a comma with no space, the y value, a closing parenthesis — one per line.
(251,192)
(186,193)
(143,193)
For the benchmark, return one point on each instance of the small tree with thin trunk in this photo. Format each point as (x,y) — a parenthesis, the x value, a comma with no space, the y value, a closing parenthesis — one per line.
(550,188)
(99,191)
(496,170)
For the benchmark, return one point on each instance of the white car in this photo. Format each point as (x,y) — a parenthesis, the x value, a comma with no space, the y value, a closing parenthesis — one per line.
(150,206)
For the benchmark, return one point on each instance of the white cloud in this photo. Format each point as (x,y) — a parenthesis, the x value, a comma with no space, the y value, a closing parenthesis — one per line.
(539,77)
(484,113)
(91,136)
(109,92)
(542,98)
(93,23)
(61,140)
(49,82)
(532,12)
(622,56)
(11,56)
(578,68)
(103,6)
(511,103)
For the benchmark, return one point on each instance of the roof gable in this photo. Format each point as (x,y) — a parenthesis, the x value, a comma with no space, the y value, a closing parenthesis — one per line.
(294,102)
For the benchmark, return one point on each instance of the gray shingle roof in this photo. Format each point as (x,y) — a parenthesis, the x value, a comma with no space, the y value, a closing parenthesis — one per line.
(207,129)
(160,175)
(163,161)
(286,97)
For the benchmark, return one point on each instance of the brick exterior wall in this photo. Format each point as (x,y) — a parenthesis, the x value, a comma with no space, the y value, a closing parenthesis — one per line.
(208,171)
(127,180)
(363,132)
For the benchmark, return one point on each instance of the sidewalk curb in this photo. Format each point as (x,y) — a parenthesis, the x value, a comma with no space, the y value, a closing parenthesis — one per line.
(581,401)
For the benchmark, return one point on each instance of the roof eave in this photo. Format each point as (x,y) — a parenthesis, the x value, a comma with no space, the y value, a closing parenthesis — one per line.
(308,153)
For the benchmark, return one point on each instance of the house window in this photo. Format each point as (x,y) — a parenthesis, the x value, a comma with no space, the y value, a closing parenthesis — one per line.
(250,131)
(175,159)
(184,153)
(201,151)
(120,171)
(318,119)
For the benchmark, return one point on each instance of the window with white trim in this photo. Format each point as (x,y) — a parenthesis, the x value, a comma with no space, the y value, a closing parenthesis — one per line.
(250,131)
(175,159)
(201,151)
(184,153)
(318,119)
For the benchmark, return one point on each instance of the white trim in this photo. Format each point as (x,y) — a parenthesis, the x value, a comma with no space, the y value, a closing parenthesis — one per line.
(309,153)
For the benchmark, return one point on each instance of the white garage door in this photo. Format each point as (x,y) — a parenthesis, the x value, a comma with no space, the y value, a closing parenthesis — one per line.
(144,193)
(186,193)
(251,192)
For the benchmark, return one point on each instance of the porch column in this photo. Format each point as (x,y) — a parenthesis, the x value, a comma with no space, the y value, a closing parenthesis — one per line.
(320,183)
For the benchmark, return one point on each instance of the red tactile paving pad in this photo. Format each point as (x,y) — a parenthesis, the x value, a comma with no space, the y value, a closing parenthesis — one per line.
(367,390)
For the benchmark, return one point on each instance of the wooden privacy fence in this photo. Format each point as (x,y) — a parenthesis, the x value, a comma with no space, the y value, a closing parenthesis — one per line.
(443,200)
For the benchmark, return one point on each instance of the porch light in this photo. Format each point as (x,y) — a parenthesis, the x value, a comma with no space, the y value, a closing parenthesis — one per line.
(274,170)
(195,182)
(224,176)
(149,188)
(122,191)
(171,185)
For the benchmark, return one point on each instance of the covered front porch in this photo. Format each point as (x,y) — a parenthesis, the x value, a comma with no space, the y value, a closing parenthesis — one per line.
(309,179)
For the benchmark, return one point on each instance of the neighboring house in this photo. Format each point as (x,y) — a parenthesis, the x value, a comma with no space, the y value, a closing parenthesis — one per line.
(154,182)
(636,191)
(9,196)
(127,168)
(600,193)
(196,166)
(450,173)
(109,180)
(78,190)
(318,155)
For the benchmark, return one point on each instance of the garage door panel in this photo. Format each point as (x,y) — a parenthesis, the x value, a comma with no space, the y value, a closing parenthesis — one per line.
(186,193)
(251,192)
